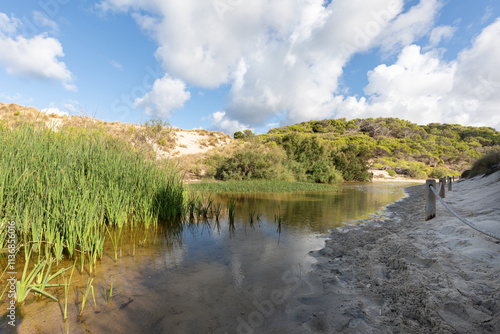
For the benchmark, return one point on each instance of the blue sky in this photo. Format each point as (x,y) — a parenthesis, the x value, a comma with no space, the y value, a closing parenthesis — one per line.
(235,64)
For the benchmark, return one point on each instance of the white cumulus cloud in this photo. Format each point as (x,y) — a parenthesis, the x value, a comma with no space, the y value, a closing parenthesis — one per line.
(166,95)
(35,57)
(423,88)
(284,58)
(224,123)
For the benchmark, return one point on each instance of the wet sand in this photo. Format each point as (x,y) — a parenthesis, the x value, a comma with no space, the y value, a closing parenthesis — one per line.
(406,275)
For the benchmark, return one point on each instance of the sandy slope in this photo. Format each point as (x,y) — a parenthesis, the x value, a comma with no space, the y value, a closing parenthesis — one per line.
(194,142)
(183,142)
(410,276)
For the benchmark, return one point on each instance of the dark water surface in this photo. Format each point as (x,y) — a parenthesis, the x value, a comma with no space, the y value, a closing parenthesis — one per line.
(209,278)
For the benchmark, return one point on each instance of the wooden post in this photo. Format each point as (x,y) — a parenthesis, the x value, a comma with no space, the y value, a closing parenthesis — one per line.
(430,200)
(449,183)
(442,184)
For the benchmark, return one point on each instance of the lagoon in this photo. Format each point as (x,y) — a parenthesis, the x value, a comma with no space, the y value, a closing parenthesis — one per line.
(209,277)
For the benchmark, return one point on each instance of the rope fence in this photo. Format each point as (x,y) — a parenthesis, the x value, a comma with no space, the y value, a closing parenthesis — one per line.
(431,194)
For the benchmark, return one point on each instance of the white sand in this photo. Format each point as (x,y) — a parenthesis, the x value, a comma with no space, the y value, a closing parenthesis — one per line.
(410,276)
(195,142)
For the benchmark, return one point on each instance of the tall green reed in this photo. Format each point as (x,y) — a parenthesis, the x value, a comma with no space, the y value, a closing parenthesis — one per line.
(63,187)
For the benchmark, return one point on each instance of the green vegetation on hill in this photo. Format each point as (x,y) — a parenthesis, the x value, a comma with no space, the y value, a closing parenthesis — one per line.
(317,151)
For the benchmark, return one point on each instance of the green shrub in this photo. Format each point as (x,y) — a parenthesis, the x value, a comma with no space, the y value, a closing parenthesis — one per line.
(324,172)
(391,172)
(439,172)
(487,163)
(155,126)
(251,162)
(416,170)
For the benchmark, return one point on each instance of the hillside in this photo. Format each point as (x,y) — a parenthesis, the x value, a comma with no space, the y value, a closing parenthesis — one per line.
(154,136)
(324,151)
(401,146)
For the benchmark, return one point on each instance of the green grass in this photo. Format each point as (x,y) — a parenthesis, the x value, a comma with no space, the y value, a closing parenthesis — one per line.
(259,186)
(65,189)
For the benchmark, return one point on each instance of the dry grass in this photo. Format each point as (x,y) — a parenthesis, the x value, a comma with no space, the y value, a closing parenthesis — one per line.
(154,137)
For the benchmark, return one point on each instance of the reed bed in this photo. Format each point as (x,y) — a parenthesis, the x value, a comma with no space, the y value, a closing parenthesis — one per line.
(65,190)
(257,186)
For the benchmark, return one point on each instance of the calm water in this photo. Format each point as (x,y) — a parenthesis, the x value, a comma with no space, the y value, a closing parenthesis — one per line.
(207,279)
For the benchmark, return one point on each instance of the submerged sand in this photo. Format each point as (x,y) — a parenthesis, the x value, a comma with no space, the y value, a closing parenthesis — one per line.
(406,275)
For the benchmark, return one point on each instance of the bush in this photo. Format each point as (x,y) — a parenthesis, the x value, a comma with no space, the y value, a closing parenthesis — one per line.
(352,162)
(417,170)
(323,172)
(391,172)
(251,162)
(438,173)
(486,165)
(466,174)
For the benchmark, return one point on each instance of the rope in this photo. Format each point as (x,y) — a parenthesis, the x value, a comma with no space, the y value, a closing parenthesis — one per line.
(465,221)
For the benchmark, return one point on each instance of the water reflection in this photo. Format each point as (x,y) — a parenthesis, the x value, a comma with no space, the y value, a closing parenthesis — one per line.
(208,277)
(318,212)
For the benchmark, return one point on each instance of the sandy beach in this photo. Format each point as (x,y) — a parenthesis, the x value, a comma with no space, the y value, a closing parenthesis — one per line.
(407,275)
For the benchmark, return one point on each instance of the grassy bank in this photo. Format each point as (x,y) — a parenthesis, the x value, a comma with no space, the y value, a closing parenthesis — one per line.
(256,186)
(68,191)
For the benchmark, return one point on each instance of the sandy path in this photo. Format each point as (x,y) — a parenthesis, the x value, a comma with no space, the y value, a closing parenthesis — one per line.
(410,276)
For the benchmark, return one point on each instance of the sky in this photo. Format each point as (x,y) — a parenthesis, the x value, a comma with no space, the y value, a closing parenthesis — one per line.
(230,65)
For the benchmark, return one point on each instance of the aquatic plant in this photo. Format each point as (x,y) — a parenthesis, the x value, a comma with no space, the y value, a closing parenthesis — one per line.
(66,289)
(191,205)
(85,295)
(251,214)
(61,188)
(27,282)
(278,220)
(255,186)
(108,295)
(216,211)
(204,207)
(6,285)
(231,206)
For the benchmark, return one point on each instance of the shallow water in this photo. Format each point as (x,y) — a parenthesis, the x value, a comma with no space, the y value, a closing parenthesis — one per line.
(209,278)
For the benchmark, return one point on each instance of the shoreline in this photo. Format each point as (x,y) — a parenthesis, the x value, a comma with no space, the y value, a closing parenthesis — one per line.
(405,275)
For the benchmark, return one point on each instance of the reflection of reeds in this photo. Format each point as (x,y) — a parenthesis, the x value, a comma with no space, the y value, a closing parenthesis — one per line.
(278,220)
(251,214)
(205,205)
(216,209)
(191,206)
(231,206)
